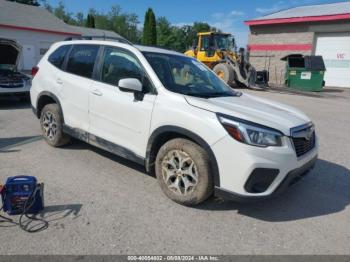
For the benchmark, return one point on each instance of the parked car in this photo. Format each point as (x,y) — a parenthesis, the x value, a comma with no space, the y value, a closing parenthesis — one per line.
(12,82)
(172,114)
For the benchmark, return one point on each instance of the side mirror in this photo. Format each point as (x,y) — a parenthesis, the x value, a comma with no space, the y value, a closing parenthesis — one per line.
(130,85)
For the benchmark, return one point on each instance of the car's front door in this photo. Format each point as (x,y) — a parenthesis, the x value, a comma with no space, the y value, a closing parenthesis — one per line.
(117,116)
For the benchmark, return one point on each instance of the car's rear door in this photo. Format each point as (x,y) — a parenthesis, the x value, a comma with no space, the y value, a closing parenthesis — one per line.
(75,82)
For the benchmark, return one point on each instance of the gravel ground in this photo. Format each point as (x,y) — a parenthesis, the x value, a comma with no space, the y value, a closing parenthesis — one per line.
(98,203)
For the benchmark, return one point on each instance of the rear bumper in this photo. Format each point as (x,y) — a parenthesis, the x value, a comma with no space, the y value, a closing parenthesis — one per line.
(291,178)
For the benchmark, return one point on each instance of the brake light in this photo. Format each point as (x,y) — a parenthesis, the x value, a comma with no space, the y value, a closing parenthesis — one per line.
(35,70)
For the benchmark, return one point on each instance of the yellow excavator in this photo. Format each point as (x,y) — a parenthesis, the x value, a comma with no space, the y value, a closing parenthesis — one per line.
(218,52)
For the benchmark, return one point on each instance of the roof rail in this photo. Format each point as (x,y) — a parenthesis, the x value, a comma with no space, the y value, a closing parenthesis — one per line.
(159,47)
(84,37)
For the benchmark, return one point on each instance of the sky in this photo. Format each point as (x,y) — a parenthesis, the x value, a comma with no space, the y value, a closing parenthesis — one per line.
(227,15)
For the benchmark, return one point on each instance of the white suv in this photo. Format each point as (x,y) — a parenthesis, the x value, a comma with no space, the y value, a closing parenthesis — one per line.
(172,114)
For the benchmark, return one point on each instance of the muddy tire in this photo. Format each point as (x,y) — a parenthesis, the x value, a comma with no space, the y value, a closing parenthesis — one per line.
(183,172)
(225,72)
(52,126)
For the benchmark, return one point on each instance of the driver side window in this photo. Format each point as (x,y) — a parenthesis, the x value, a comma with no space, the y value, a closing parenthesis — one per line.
(118,65)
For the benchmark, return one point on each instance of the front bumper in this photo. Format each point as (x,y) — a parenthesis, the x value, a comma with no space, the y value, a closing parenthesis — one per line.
(237,162)
(291,178)
(14,91)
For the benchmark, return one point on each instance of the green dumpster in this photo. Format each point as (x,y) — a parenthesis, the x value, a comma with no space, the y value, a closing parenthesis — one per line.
(304,72)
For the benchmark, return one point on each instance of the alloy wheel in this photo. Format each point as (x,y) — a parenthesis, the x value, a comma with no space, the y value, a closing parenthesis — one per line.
(179,172)
(49,125)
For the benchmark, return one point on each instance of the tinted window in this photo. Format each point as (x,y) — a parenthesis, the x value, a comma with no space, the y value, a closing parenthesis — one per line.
(82,59)
(118,65)
(57,57)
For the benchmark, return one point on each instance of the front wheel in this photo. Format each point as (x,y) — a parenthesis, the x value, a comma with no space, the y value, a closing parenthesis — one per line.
(183,172)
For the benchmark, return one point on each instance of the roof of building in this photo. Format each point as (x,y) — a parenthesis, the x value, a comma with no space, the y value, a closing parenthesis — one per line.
(93,31)
(310,13)
(26,17)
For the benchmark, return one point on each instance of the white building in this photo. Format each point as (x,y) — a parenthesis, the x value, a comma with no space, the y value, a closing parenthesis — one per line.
(36,29)
(308,30)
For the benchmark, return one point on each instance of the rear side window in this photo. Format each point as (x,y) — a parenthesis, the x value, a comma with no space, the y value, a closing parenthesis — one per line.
(81,60)
(57,57)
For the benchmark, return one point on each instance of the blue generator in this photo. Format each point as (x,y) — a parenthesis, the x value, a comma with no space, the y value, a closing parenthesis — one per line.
(22,195)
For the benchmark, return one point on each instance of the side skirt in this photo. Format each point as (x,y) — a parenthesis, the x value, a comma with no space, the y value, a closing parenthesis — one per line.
(103,144)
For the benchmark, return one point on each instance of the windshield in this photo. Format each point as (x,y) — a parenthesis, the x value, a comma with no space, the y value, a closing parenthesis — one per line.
(185,75)
(224,42)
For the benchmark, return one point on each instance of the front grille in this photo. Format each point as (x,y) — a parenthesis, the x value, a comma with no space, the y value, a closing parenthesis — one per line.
(304,139)
(303,145)
(11,84)
(13,80)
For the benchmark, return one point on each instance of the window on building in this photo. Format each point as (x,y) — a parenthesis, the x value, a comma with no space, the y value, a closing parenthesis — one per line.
(81,60)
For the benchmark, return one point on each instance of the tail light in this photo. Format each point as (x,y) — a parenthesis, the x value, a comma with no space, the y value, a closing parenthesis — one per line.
(35,70)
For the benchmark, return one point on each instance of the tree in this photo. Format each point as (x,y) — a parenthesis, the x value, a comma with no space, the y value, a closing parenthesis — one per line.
(146,29)
(61,13)
(124,24)
(90,21)
(164,32)
(178,39)
(27,2)
(79,17)
(149,36)
(160,32)
(153,27)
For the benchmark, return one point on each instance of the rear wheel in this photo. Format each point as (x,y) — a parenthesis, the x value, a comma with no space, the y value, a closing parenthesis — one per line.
(52,126)
(225,72)
(183,172)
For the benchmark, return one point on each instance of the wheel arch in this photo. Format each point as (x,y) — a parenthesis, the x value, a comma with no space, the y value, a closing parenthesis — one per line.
(165,133)
(45,98)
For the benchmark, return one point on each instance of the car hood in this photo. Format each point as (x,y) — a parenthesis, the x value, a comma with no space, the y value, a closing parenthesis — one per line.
(10,51)
(254,109)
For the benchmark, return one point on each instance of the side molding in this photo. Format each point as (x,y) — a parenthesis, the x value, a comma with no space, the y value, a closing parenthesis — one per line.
(103,144)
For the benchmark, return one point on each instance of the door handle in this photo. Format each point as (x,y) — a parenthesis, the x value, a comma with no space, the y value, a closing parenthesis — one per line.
(59,81)
(97,92)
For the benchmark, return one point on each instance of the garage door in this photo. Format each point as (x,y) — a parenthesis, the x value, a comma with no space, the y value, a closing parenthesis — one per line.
(335,50)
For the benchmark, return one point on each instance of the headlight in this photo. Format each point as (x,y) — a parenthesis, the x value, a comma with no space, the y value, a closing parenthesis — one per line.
(250,133)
